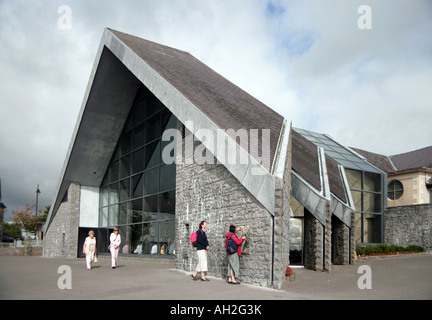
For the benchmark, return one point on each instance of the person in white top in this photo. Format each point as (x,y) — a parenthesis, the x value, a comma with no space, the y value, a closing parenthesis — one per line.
(89,249)
(114,246)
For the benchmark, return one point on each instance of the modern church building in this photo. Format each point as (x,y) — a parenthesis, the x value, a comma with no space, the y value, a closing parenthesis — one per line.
(163,142)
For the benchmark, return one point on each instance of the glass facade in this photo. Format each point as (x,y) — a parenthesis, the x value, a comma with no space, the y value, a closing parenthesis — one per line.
(367,193)
(367,186)
(296,233)
(137,193)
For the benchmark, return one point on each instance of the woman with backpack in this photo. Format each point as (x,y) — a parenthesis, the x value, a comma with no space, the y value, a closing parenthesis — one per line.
(232,245)
(202,247)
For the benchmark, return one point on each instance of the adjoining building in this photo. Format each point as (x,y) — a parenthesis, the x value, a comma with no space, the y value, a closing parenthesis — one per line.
(408,216)
(343,191)
(409,176)
(162,142)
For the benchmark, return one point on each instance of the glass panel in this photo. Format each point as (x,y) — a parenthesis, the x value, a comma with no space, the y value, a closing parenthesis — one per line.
(152,128)
(372,228)
(151,208)
(152,155)
(357,198)
(113,193)
(125,144)
(358,227)
(114,171)
(150,237)
(296,241)
(166,236)
(136,238)
(138,137)
(354,179)
(138,114)
(103,217)
(104,193)
(136,211)
(372,182)
(113,215)
(138,161)
(125,233)
(167,202)
(123,213)
(372,202)
(151,181)
(137,185)
(124,190)
(297,208)
(125,167)
(153,104)
(167,177)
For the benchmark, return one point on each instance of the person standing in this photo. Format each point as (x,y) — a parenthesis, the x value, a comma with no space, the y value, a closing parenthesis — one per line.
(233,257)
(89,248)
(202,247)
(114,246)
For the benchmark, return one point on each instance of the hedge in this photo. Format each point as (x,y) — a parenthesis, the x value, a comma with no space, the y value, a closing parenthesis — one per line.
(381,248)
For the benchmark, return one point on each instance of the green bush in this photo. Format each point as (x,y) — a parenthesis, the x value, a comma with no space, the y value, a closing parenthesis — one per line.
(382,248)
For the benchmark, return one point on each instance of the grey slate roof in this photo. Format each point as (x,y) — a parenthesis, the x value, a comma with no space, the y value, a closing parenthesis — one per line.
(413,159)
(306,163)
(228,106)
(404,161)
(305,159)
(378,160)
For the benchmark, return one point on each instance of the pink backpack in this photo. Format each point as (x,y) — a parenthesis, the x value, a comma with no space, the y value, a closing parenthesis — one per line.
(193,239)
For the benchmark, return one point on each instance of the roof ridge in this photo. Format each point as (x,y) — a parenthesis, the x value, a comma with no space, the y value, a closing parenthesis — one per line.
(146,40)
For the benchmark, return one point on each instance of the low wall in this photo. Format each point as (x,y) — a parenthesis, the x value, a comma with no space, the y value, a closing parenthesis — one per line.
(19,251)
(409,225)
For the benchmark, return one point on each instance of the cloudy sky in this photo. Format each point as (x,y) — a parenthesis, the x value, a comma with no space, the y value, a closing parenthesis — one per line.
(362,76)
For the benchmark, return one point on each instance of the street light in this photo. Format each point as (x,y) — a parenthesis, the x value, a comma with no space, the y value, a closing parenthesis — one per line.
(37,197)
(37,200)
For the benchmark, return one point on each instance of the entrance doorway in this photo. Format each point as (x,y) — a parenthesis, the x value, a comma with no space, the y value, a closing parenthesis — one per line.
(296,241)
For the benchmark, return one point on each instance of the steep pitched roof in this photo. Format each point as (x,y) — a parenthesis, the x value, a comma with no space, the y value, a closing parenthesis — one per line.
(228,106)
(189,89)
(325,181)
(403,161)
(305,160)
(413,159)
(380,161)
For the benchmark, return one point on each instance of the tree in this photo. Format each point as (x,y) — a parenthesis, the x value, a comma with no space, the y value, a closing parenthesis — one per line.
(27,218)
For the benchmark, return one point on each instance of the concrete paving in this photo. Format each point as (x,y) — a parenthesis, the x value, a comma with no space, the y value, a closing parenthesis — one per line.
(407,277)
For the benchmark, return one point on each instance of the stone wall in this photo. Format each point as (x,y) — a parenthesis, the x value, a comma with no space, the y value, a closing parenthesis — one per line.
(210,192)
(342,253)
(408,225)
(61,238)
(19,251)
(327,245)
(314,233)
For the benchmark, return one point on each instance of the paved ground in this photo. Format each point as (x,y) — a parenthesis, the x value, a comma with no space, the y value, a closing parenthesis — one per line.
(407,277)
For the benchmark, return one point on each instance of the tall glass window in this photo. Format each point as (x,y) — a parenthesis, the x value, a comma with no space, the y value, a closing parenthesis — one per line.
(366,190)
(137,193)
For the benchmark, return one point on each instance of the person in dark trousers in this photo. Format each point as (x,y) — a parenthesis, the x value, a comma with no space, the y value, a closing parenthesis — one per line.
(233,258)
(202,247)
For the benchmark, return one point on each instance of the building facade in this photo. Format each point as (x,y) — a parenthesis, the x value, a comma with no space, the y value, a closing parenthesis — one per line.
(163,142)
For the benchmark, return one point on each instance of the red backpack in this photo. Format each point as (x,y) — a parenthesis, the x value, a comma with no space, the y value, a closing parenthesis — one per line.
(193,239)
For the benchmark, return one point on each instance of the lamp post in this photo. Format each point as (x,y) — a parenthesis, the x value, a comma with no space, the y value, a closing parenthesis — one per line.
(37,200)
